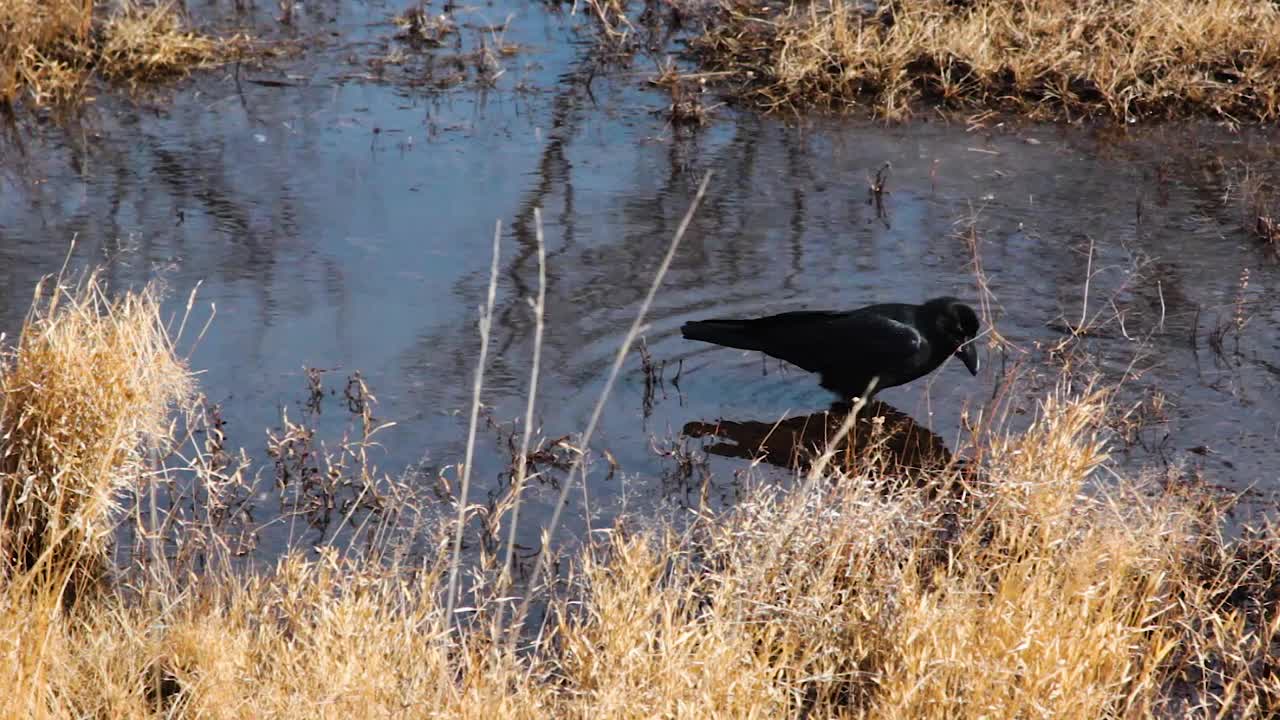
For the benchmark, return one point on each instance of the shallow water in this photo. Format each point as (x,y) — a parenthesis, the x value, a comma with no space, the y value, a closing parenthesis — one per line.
(346,224)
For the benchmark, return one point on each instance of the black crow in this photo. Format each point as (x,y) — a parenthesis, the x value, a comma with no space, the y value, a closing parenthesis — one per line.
(892,342)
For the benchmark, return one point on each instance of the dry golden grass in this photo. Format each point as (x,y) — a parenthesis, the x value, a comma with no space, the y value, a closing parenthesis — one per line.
(149,44)
(1045,58)
(39,47)
(1039,600)
(1034,599)
(50,49)
(87,391)
(1036,585)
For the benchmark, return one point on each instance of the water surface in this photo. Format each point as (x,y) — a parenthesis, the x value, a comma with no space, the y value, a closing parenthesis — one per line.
(344,221)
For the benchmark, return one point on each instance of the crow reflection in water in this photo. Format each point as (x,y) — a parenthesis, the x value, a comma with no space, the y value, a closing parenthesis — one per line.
(894,343)
(901,444)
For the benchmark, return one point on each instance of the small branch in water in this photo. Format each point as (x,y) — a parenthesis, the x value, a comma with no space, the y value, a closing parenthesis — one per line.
(881,179)
(1088,276)
(877,189)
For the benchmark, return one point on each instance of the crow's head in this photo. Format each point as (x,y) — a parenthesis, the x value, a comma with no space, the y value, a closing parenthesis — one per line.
(955,325)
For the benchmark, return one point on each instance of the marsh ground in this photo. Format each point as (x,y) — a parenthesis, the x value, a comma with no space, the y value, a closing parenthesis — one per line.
(336,201)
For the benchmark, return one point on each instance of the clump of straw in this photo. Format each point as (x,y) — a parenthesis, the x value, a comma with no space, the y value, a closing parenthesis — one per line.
(1145,59)
(153,44)
(87,394)
(51,49)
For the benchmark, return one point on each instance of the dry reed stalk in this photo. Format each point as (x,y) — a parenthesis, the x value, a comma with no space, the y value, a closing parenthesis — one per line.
(486,323)
(518,481)
(623,350)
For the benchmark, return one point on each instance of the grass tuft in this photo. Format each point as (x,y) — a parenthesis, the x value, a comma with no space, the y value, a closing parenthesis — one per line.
(1061,59)
(87,393)
(51,49)
(151,44)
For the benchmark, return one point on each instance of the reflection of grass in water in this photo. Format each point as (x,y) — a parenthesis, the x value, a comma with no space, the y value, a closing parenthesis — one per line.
(1026,589)
(50,49)
(1046,58)
(1259,201)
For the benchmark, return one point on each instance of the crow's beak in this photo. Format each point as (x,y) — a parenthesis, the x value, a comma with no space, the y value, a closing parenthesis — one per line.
(968,353)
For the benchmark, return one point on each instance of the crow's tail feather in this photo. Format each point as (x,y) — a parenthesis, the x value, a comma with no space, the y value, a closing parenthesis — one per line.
(730,333)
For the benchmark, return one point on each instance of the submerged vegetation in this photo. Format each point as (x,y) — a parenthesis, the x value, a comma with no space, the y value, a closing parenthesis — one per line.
(1030,583)
(1062,59)
(1254,191)
(51,49)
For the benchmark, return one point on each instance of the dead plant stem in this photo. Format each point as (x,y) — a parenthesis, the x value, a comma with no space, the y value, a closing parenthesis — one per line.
(578,464)
(539,307)
(486,323)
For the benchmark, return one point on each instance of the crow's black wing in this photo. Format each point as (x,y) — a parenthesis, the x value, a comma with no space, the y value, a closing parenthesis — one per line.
(859,341)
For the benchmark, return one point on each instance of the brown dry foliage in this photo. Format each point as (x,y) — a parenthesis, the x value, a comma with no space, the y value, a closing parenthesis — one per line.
(1044,58)
(1047,589)
(86,393)
(1044,599)
(50,49)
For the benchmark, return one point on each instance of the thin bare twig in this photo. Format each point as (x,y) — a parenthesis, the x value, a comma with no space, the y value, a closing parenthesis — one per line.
(486,320)
(816,470)
(539,307)
(624,350)
(1088,276)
